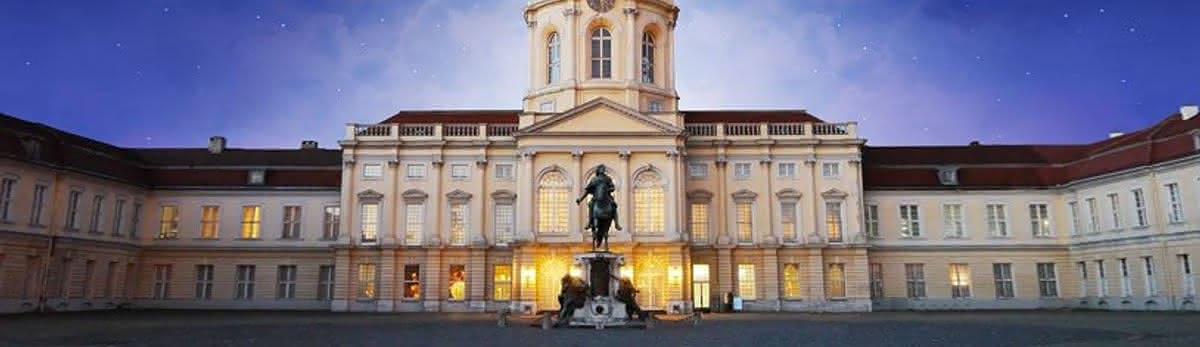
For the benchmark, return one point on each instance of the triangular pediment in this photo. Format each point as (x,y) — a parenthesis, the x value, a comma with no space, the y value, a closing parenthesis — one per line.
(601,116)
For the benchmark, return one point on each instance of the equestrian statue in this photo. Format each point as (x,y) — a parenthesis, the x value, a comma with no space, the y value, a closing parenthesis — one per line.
(602,209)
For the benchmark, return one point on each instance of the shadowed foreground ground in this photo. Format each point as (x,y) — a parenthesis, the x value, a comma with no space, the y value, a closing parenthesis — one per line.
(224,328)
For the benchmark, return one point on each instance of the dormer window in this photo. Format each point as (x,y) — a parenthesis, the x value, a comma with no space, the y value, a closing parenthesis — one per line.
(257,177)
(948,176)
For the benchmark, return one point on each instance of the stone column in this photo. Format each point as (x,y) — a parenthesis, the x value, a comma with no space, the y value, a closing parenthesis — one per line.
(772,236)
(721,212)
(435,205)
(526,181)
(576,211)
(479,223)
(625,196)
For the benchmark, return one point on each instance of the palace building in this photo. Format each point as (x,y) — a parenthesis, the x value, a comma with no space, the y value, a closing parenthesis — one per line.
(441,211)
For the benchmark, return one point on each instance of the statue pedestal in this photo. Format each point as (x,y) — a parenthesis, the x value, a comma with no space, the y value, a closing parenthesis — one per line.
(602,308)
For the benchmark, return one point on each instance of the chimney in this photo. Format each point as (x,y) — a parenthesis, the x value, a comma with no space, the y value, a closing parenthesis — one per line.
(216,144)
(1188,111)
(1115,134)
(308,144)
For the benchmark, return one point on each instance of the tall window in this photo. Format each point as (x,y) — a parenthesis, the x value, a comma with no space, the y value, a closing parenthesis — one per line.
(552,202)
(914,280)
(872,217)
(331,223)
(244,287)
(1101,279)
(833,220)
(647,58)
(601,53)
(1093,216)
(97,204)
(458,282)
(169,225)
(787,219)
(876,277)
(960,281)
(553,58)
(1114,202)
(1083,278)
(458,223)
(1151,279)
(837,280)
(1175,212)
(370,222)
(366,281)
(745,227)
(1126,285)
(1047,280)
(210,222)
(1185,275)
(6,191)
(73,210)
(997,220)
(135,219)
(1039,220)
(747,289)
(414,223)
(291,222)
(502,282)
(285,287)
(791,281)
(39,202)
(162,281)
(325,282)
(910,221)
(699,222)
(251,221)
(648,205)
(204,281)
(412,282)
(1075,226)
(952,215)
(118,211)
(1139,207)
(504,222)
(1002,272)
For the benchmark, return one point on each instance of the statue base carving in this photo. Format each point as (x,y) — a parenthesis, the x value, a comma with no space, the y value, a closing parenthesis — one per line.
(609,300)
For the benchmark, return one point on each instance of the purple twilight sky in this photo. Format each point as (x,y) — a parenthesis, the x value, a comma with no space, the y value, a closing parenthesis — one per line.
(271,73)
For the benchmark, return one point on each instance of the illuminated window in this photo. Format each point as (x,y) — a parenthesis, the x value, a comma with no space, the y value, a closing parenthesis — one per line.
(458,224)
(914,280)
(910,221)
(747,289)
(876,278)
(1175,204)
(458,283)
(325,282)
(366,281)
(745,227)
(1047,280)
(872,217)
(791,280)
(331,223)
(244,287)
(553,58)
(204,281)
(647,58)
(414,223)
(210,222)
(787,219)
(837,280)
(1002,272)
(169,225)
(833,221)
(701,288)
(251,221)
(291,222)
(504,222)
(552,203)
(601,53)
(952,221)
(412,282)
(648,205)
(162,281)
(960,281)
(997,220)
(370,222)
(699,222)
(501,282)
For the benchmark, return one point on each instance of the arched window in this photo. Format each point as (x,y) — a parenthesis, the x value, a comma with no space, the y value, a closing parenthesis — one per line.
(601,53)
(647,58)
(648,209)
(552,203)
(553,60)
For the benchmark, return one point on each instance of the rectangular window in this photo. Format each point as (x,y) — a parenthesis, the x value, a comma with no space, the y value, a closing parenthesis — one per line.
(6,191)
(997,220)
(73,210)
(501,282)
(460,171)
(741,170)
(546,106)
(876,278)
(169,225)
(1126,285)
(331,223)
(696,170)
(910,221)
(1083,278)
(373,170)
(1151,278)
(370,222)
(291,222)
(1093,224)
(833,221)
(244,286)
(94,223)
(830,170)
(1039,220)
(89,275)
(1185,275)
(787,170)
(872,219)
(747,289)
(39,203)
(744,224)
(1114,202)
(414,224)
(504,216)
(415,170)
(210,222)
(1076,227)
(458,224)
(366,281)
(251,222)
(412,282)
(914,280)
(654,105)
(1101,279)
(504,171)
(952,215)
(1002,272)
(1174,203)
(204,282)
(960,281)
(325,282)
(699,223)
(1139,207)
(286,282)
(135,219)
(458,282)
(162,281)
(787,219)
(118,211)
(837,280)
(791,281)
(1047,280)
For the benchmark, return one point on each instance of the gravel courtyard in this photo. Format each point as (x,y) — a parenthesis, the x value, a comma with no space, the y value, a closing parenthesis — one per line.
(225,328)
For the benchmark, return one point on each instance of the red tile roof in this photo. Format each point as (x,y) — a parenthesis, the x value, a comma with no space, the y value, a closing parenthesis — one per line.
(733,116)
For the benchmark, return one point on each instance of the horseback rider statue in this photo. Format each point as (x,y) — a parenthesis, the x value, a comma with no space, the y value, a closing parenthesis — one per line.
(602,209)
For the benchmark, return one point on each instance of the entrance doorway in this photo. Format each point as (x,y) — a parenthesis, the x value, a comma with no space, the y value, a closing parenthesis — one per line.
(700,287)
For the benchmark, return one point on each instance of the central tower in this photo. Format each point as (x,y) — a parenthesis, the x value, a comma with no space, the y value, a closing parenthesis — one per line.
(621,50)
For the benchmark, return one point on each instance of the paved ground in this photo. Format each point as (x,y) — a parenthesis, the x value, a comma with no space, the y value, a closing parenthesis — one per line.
(195,328)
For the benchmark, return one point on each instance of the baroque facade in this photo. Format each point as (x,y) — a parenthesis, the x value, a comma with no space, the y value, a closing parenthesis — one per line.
(476,211)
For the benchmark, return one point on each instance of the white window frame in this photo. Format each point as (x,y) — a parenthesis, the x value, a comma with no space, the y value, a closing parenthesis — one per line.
(1140,213)
(244,282)
(1076,227)
(372,171)
(460,222)
(954,228)
(505,171)
(831,169)
(1083,278)
(840,221)
(749,222)
(504,222)
(1186,275)
(697,170)
(291,228)
(1101,279)
(204,281)
(914,280)
(1093,216)
(118,212)
(959,291)
(72,223)
(654,106)
(1174,203)
(743,170)
(910,220)
(871,216)
(414,171)
(1048,280)
(996,214)
(747,278)
(1040,222)
(1002,277)
(97,205)
(1150,276)
(414,223)
(162,281)
(699,236)
(331,222)
(1114,205)
(789,213)
(370,235)
(460,171)
(1126,284)
(7,186)
(786,170)
(39,204)
(325,278)
(285,277)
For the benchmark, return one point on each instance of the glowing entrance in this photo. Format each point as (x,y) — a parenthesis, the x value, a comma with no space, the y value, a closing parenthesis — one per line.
(550,271)
(700,288)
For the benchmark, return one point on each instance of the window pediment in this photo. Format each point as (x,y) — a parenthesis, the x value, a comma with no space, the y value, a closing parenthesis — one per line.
(744,195)
(833,194)
(370,195)
(788,195)
(458,196)
(702,196)
(504,196)
(414,196)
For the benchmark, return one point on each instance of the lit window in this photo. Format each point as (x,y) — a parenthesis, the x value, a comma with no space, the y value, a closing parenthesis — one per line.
(286,286)
(325,282)
(1047,280)
(169,226)
(741,170)
(647,58)
(458,224)
(952,221)
(414,223)
(1002,272)
(910,221)
(552,203)
(914,280)
(504,171)
(787,219)
(787,170)
(1175,213)
(460,171)
(373,170)
(872,217)
(997,220)
(504,223)
(833,221)
(960,281)
(747,289)
(331,222)
(210,222)
(204,281)
(366,281)
(699,223)
(412,282)
(648,205)
(458,283)
(553,59)
(601,53)
(501,282)
(251,221)
(697,170)
(244,287)
(745,226)
(370,222)
(291,222)
(791,280)
(415,170)
(1139,207)
(836,280)
(830,169)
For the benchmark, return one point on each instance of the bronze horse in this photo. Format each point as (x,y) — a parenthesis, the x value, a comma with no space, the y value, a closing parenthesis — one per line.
(602,209)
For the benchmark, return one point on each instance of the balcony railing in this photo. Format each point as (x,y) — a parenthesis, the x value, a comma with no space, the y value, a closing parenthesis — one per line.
(741,129)
(458,130)
(431,131)
(702,129)
(791,130)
